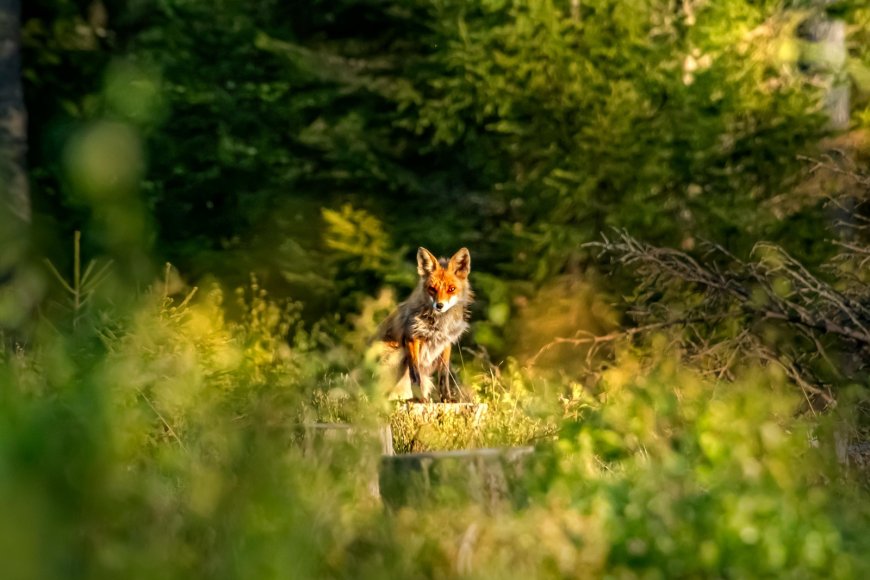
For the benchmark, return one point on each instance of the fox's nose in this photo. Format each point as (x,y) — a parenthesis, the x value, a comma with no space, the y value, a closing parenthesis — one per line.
(439,305)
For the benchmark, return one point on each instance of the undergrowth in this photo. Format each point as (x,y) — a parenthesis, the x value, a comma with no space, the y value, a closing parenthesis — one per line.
(166,443)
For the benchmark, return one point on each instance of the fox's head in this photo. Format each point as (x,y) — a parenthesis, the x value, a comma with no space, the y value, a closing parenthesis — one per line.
(444,282)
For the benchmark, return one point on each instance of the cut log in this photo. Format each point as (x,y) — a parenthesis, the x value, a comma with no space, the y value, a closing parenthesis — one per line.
(826,56)
(14,191)
(329,442)
(490,477)
(315,435)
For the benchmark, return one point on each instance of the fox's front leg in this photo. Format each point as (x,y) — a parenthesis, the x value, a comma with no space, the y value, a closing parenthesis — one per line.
(413,348)
(444,375)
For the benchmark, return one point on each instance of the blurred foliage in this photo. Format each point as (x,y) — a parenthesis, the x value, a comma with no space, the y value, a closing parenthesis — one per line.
(694,480)
(673,120)
(516,128)
(858,65)
(177,452)
(289,157)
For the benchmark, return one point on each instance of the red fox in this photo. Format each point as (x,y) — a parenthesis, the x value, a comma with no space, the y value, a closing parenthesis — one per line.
(423,328)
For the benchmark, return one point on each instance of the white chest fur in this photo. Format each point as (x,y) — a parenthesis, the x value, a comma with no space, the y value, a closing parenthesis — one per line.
(438,331)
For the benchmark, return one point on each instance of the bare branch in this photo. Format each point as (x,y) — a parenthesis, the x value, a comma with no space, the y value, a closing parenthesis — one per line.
(772,288)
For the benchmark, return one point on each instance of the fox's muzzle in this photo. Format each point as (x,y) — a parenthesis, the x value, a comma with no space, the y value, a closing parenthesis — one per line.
(441,307)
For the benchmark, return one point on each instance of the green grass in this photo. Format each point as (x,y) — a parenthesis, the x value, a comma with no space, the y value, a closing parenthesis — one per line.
(166,443)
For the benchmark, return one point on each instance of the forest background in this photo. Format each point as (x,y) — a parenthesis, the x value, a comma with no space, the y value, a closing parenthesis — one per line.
(666,207)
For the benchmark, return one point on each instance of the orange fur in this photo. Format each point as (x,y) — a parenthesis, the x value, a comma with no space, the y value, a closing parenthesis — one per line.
(424,327)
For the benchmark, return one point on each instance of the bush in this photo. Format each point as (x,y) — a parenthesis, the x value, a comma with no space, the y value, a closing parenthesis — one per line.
(174,450)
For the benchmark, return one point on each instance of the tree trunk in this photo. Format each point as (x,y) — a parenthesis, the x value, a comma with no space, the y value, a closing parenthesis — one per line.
(830,55)
(14,191)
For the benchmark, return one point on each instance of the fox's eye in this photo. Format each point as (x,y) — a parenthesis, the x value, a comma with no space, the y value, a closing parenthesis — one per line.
(433,290)
(451,289)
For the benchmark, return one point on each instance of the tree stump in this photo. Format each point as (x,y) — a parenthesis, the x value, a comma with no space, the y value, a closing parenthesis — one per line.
(316,435)
(490,477)
(329,442)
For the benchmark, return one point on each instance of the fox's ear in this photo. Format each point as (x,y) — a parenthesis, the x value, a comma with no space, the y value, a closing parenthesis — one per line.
(460,263)
(426,262)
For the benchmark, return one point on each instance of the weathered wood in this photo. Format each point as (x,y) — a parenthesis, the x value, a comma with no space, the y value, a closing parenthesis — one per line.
(490,477)
(316,434)
(385,433)
(858,459)
(14,192)
(328,442)
(827,57)
(15,211)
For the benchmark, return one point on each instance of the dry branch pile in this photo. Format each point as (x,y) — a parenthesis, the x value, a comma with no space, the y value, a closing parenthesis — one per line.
(770,308)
